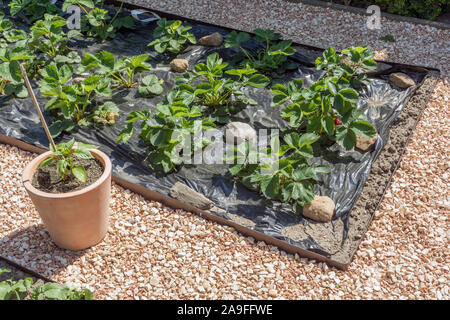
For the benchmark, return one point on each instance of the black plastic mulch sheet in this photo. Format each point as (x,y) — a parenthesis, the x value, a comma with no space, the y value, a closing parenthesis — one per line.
(380,101)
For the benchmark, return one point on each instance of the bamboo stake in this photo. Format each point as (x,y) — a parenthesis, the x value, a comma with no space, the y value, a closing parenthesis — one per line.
(36,105)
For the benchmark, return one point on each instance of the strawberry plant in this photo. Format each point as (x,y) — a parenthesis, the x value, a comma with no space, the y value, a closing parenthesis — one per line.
(10,289)
(11,81)
(328,106)
(5,25)
(167,130)
(173,122)
(221,96)
(73,101)
(171,36)
(56,291)
(121,70)
(271,57)
(96,22)
(36,8)
(48,37)
(26,289)
(351,65)
(9,35)
(64,156)
(288,178)
(106,113)
(150,86)
(16,36)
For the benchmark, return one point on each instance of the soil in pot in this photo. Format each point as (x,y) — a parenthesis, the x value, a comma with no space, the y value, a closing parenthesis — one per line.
(48,179)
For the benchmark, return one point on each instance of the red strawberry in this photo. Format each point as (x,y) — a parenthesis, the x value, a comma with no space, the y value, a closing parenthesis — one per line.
(337,122)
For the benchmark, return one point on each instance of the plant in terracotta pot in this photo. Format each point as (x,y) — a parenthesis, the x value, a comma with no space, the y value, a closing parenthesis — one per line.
(70,186)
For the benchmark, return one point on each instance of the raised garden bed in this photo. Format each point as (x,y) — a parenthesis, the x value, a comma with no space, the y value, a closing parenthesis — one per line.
(356,185)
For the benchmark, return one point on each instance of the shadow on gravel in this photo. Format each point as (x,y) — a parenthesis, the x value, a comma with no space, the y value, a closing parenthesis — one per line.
(33,249)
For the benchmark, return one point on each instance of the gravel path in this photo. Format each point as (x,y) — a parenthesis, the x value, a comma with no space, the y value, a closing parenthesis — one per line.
(320,27)
(153,252)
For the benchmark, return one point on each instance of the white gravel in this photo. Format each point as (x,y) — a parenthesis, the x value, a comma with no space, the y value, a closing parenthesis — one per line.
(153,252)
(320,27)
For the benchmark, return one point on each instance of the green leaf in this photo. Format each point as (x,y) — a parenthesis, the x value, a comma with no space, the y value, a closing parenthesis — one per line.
(279,89)
(19,90)
(241,72)
(307,139)
(349,95)
(126,133)
(329,53)
(138,61)
(346,138)
(69,144)
(150,85)
(84,146)
(258,81)
(105,59)
(138,115)
(270,186)
(67,109)
(65,73)
(264,35)
(331,86)
(87,3)
(306,151)
(286,191)
(303,191)
(46,162)
(236,168)
(5,291)
(83,154)
(294,113)
(279,100)
(341,104)
(363,128)
(304,173)
(80,173)
(369,64)
(88,295)
(50,72)
(157,137)
(4,271)
(235,39)
(328,125)
(295,86)
(59,126)
(282,48)
(61,166)
(292,139)
(56,294)
(314,124)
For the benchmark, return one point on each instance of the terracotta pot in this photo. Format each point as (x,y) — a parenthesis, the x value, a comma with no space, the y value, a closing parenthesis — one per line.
(75,220)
